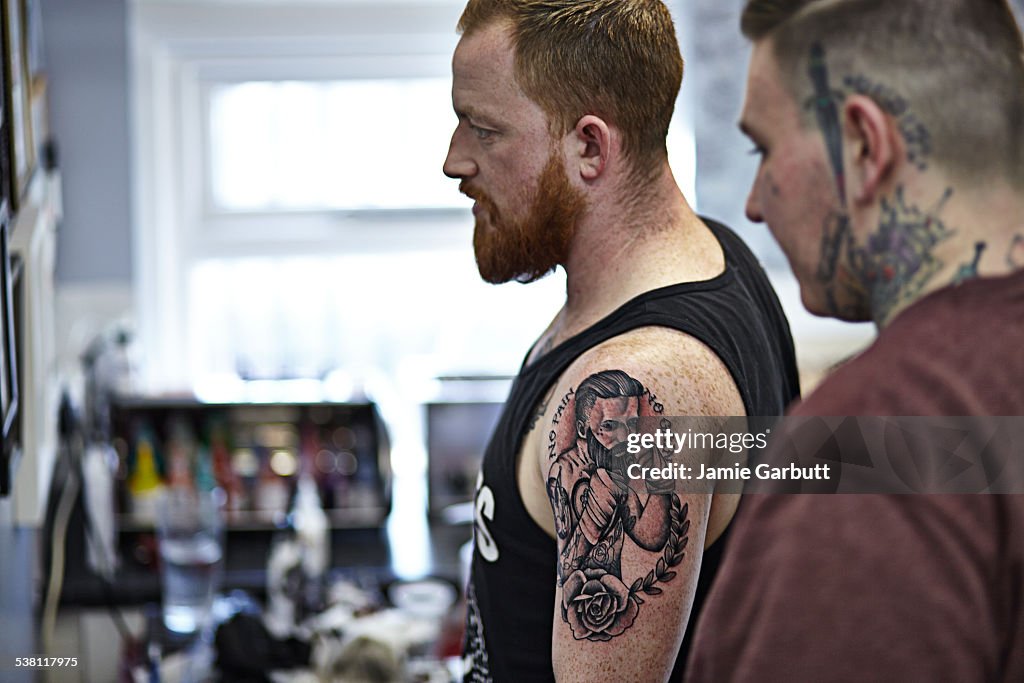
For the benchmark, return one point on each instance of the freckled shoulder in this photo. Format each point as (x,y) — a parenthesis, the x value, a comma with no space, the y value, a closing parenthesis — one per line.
(684,373)
(680,376)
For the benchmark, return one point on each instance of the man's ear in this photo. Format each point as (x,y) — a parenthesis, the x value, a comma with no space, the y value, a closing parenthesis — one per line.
(592,146)
(872,141)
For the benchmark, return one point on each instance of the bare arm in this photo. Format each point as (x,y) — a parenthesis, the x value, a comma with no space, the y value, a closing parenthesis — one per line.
(629,551)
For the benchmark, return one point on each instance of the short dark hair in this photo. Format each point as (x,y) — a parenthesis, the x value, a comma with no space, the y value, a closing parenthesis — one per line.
(956,65)
(617,59)
(605,384)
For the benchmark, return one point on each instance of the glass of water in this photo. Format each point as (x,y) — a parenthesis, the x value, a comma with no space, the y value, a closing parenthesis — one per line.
(190,531)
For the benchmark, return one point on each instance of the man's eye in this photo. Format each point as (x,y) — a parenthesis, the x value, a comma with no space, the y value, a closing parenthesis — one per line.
(481,133)
(609,426)
(758,150)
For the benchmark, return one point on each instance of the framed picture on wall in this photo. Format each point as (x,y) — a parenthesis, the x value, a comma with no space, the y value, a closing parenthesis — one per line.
(17,92)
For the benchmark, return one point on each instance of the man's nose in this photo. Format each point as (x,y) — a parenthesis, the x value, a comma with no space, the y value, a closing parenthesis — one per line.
(753,207)
(458,164)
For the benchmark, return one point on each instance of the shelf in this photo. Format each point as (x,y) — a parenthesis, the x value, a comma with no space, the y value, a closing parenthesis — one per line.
(265,520)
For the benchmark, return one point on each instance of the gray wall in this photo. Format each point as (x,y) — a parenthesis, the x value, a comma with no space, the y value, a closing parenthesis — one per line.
(87,65)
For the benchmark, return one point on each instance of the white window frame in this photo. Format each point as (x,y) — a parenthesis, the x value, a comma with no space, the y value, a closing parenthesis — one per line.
(177,50)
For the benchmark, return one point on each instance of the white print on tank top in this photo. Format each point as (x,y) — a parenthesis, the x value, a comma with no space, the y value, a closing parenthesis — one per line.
(484,510)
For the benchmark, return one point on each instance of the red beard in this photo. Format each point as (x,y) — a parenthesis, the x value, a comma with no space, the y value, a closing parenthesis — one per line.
(528,249)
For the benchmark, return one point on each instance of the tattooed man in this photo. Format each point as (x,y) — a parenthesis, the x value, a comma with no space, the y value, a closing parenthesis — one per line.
(563,109)
(892,175)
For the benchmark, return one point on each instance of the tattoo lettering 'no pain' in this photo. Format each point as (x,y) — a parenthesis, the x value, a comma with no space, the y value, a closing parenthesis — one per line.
(598,509)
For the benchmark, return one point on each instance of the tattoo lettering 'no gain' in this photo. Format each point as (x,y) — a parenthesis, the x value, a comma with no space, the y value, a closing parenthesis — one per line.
(598,509)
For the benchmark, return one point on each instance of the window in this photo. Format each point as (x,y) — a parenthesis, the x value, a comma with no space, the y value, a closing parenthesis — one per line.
(330,145)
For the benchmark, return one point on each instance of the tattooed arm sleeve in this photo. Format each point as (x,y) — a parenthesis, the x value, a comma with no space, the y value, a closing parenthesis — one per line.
(629,548)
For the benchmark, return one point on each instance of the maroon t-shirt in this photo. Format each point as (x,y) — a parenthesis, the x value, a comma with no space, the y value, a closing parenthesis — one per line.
(887,588)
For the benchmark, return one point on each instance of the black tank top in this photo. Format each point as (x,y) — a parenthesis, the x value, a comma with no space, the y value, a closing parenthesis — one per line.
(510,596)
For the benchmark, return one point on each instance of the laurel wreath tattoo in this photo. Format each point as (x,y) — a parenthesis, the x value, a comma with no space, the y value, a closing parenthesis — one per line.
(675,551)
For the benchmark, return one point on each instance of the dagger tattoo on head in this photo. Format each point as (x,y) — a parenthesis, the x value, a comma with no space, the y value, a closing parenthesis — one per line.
(827,115)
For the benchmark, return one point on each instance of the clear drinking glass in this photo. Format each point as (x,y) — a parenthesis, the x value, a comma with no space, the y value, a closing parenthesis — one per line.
(190,531)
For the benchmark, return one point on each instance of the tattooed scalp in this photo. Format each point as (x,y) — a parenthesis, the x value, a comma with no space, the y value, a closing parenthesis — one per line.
(967,121)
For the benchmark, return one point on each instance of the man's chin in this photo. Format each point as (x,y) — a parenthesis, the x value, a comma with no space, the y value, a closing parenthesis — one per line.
(491,278)
(817,302)
(499,260)
(491,270)
(822,302)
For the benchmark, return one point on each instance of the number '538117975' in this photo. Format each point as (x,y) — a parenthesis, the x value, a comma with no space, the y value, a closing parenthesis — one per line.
(45,662)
